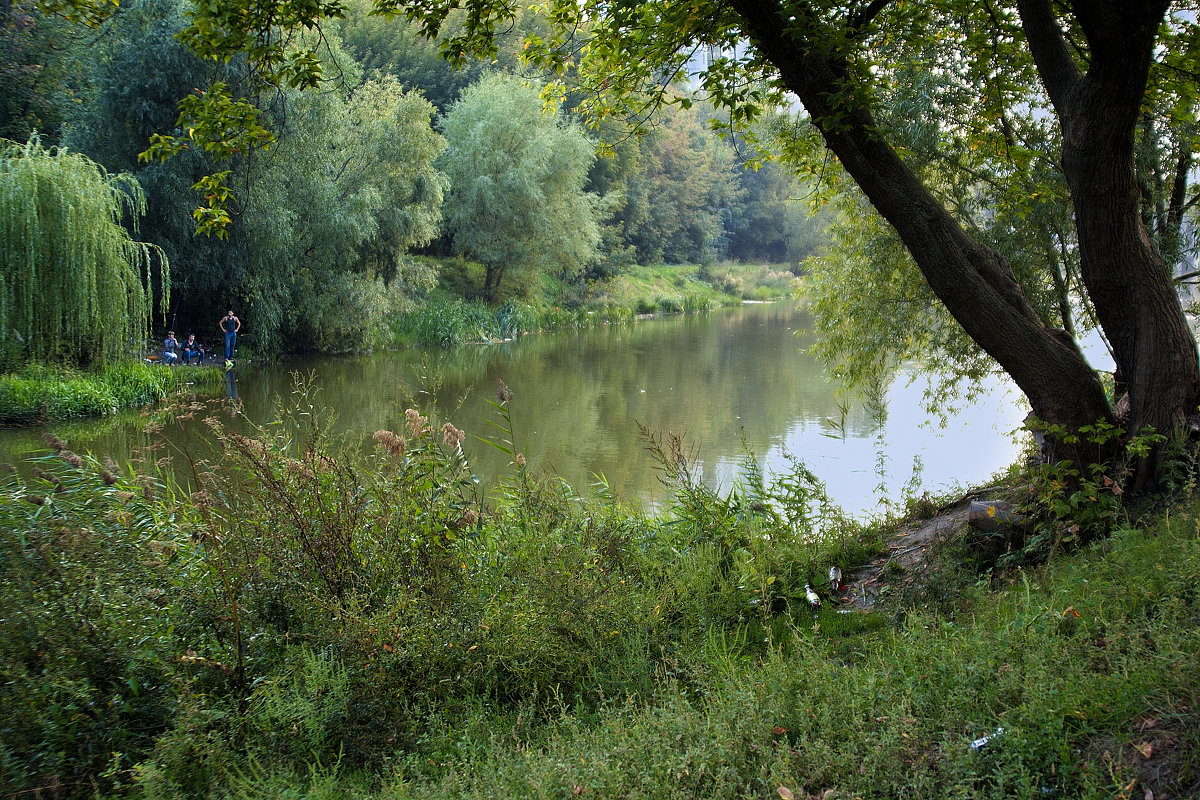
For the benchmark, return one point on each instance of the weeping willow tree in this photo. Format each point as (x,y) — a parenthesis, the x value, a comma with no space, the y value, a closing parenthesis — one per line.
(75,288)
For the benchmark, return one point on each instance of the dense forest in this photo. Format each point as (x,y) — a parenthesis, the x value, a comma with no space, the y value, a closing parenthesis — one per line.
(398,163)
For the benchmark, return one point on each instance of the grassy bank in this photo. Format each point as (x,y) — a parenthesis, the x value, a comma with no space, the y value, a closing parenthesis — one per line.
(40,393)
(449,321)
(674,288)
(446,317)
(304,627)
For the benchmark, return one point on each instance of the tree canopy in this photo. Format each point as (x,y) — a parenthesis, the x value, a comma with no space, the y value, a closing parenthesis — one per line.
(517,201)
(322,221)
(1031,158)
(323,217)
(74,287)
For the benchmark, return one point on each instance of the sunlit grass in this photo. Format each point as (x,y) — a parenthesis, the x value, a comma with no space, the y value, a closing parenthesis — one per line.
(40,393)
(674,288)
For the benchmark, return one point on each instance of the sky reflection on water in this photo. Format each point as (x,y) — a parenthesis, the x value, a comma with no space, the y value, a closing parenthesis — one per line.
(581,395)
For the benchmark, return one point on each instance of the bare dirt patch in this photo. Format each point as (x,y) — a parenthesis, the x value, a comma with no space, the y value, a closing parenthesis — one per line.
(902,565)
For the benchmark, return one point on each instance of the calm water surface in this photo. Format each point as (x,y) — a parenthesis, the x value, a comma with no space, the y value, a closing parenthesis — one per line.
(579,397)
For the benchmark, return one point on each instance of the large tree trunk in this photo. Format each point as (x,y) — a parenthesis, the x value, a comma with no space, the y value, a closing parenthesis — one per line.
(1132,294)
(1126,277)
(975,283)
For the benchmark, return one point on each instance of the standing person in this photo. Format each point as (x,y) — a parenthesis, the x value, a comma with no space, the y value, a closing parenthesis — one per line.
(230,325)
(170,345)
(192,348)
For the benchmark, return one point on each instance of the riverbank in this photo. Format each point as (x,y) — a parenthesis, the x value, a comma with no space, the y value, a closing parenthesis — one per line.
(447,317)
(327,630)
(39,393)
(581,392)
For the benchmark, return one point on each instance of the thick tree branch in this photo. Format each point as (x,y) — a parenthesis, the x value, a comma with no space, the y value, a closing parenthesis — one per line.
(1049,49)
(1175,206)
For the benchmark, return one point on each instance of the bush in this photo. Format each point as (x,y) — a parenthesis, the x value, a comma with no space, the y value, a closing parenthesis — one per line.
(309,625)
(137,385)
(40,393)
(84,590)
(22,400)
(443,321)
(348,315)
(79,397)
(1069,503)
(669,304)
(451,322)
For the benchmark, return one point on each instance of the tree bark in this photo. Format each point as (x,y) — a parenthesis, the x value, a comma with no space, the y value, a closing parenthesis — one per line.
(1128,282)
(1127,279)
(493,275)
(974,282)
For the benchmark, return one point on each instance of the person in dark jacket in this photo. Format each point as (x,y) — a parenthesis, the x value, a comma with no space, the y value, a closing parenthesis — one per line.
(170,346)
(192,349)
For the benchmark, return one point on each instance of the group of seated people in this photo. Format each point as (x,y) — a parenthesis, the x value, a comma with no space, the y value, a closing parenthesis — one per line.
(173,351)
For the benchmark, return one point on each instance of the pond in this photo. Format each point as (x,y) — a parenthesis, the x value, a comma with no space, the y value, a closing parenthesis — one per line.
(580,396)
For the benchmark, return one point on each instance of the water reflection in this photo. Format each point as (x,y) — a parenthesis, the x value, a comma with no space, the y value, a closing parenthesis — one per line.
(231,392)
(580,397)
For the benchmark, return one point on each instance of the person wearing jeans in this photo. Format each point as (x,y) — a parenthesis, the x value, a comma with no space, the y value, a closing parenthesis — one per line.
(170,346)
(191,348)
(230,325)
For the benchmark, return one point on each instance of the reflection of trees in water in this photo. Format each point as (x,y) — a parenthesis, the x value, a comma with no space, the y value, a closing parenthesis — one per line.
(579,395)
(117,436)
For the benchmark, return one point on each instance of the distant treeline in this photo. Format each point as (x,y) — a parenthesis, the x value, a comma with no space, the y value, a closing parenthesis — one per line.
(399,154)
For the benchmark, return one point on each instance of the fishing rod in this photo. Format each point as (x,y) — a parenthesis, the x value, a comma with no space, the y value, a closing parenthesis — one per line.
(178,300)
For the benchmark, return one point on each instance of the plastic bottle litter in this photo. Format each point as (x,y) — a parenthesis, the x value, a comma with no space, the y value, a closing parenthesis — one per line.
(983,741)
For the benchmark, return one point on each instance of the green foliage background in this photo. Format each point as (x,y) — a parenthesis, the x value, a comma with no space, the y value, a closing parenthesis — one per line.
(517,172)
(327,217)
(74,287)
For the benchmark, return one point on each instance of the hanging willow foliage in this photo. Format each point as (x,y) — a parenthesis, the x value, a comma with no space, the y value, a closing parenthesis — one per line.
(74,287)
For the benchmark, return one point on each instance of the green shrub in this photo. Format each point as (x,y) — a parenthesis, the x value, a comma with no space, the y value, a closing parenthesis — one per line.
(84,660)
(450,322)
(699,301)
(348,314)
(303,625)
(443,321)
(616,314)
(1070,503)
(669,304)
(137,385)
(301,713)
(22,400)
(40,393)
(79,398)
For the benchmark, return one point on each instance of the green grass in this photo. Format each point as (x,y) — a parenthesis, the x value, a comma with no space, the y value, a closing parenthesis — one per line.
(1087,666)
(40,393)
(454,315)
(307,628)
(688,287)
(660,289)
(448,321)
